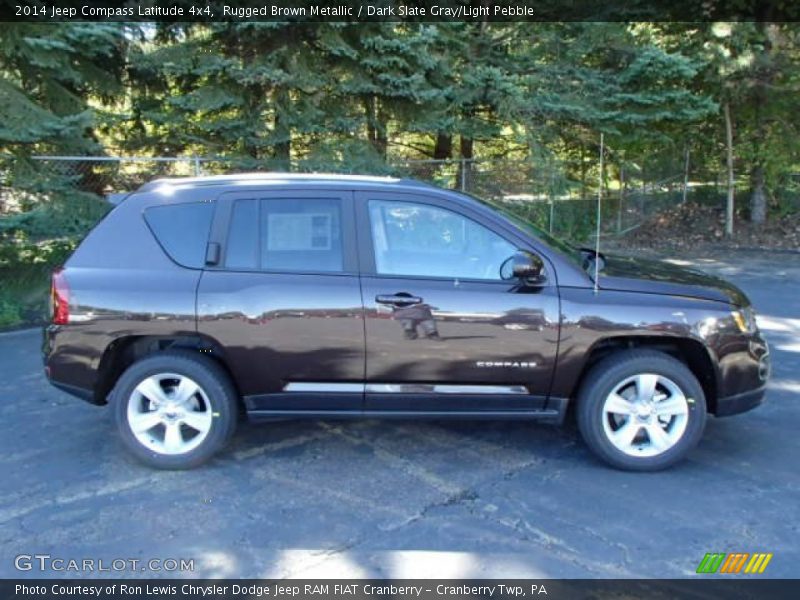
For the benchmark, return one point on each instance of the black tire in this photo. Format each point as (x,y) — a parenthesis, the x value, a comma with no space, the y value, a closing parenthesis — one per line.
(612,371)
(216,387)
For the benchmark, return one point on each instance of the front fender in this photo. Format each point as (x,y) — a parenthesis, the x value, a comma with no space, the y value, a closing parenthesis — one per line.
(592,322)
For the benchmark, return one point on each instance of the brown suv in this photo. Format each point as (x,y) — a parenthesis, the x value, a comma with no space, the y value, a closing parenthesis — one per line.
(328,296)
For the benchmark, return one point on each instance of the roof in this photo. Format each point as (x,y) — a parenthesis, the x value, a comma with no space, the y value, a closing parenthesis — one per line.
(277,178)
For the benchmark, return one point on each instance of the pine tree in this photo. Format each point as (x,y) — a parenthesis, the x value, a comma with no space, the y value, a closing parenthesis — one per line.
(49,76)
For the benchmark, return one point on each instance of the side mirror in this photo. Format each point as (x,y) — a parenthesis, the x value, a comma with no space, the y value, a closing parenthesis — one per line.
(525,266)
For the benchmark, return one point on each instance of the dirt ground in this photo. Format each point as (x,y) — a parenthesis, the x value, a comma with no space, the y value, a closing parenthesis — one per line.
(701,229)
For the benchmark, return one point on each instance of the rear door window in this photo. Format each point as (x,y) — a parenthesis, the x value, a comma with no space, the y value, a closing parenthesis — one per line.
(182,230)
(243,235)
(286,234)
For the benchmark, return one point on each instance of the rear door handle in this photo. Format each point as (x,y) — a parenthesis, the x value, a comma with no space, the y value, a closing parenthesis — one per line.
(397,299)
(212,253)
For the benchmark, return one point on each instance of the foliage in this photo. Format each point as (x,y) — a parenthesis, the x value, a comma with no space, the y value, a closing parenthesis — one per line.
(754,67)
(48,75)
(349,96)
(10,311)
(358,97)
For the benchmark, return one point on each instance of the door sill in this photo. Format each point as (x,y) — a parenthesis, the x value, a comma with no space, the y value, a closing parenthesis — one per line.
(553,415)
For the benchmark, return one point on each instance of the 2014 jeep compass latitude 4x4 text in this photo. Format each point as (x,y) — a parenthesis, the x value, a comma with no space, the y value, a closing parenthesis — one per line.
(328,296)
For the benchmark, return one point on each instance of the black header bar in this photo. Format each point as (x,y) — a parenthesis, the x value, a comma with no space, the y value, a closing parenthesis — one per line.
(400,10)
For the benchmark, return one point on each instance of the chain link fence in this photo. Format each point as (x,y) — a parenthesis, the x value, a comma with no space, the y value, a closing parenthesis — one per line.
(48,203)
(542,193)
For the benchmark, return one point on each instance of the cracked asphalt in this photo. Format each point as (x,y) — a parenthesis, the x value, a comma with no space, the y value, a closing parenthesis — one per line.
(407,498)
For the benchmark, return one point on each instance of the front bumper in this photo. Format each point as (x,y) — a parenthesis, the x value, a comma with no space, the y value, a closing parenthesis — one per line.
(739,403)
(753,373)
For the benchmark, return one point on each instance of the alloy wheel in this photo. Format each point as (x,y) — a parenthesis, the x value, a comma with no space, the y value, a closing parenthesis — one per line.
(169,413)
(645,415)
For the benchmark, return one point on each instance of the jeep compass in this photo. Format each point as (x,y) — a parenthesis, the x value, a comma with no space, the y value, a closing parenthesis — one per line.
(197,300)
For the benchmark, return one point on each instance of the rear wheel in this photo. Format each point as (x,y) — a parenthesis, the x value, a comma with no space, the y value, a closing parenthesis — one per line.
(174,410)
(641,410)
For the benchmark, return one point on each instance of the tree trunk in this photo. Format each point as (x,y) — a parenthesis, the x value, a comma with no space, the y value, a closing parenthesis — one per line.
(623,190)
(729,144)
(282,149)
(763,77)
(758,198)
(443,149)
(685,176)
(465,166)
(376,125)
(382,139)
(583,172)
(247,143)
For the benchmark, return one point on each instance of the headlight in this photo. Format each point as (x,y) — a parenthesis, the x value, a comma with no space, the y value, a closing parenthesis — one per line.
(745,319)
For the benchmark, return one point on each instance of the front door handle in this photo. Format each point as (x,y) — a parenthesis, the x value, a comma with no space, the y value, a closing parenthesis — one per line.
(397,299)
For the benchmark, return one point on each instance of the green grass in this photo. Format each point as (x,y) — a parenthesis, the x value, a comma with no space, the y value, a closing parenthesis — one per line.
(24,295)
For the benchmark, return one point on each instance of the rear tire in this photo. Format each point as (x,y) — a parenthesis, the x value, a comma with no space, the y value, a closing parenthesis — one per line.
(175,409)
(641,410)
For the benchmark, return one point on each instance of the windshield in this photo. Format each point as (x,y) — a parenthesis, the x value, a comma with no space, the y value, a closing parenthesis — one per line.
(565,248)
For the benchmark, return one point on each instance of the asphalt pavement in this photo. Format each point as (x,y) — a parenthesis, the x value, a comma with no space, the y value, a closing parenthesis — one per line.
(404,498)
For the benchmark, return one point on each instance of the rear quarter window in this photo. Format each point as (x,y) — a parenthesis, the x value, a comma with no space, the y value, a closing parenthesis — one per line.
(182,230)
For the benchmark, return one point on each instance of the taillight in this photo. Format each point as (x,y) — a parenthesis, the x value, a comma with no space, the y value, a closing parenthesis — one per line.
(59,298)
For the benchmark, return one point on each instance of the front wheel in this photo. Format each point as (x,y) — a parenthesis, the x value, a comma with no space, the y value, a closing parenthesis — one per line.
(641,410)
(174,410)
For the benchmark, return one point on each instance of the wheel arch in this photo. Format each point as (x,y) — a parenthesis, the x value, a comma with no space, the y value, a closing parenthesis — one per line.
(691,352)
(123,351)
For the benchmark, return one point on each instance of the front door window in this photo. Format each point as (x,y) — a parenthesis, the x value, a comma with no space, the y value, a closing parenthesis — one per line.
(419,240)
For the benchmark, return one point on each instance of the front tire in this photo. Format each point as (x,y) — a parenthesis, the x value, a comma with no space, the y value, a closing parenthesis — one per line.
(641,410)
(174,410)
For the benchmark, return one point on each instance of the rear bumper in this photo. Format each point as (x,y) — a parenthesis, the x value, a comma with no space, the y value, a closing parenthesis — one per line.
(74,391)
(739,403)
(66,370)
